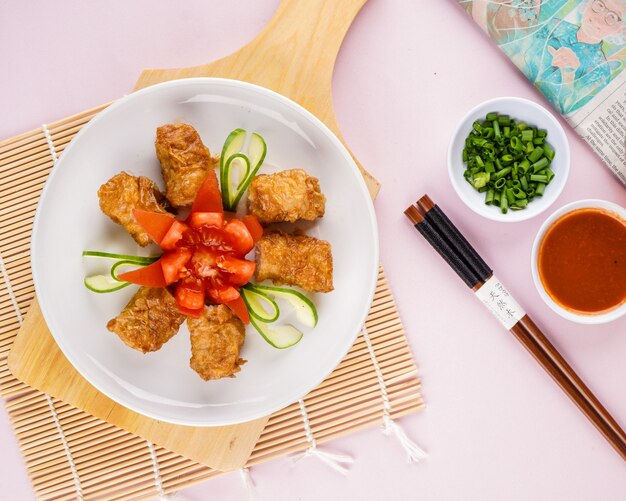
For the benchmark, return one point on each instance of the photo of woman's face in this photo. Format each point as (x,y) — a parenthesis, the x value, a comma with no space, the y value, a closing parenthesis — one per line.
(603,18)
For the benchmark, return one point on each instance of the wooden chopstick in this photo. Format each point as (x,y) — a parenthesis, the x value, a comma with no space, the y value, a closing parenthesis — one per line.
(430,220)
(582,396)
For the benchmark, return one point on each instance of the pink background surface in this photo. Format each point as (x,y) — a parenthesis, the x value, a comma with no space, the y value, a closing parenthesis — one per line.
(496,427)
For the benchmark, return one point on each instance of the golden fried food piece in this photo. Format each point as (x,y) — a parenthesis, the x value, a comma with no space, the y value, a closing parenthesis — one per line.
(185,162)
(149,319)
(123,193)
(295,260)
(286,196)
(216,339)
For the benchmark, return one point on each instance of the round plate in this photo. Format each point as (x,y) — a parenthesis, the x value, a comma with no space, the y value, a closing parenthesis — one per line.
(68,220)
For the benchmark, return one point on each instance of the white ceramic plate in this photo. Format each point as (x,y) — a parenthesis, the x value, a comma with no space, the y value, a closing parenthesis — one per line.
(531,113)
(68,220)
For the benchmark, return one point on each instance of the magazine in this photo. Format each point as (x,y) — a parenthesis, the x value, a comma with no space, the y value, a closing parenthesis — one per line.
(574,52)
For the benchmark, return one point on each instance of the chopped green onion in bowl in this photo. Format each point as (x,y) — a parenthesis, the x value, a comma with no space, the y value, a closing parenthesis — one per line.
(507,160)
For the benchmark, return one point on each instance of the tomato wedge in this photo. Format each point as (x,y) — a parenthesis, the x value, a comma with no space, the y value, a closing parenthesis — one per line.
(209,197)
(240,238)
(197,219)
(155,224)
(190,313)
(254,227)
(173,262)
(240,270)
(189,296)
(173,235)
(238,306)
(223,294)
(150,276)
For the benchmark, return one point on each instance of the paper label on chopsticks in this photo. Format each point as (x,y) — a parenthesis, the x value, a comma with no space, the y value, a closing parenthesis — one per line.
(499,301)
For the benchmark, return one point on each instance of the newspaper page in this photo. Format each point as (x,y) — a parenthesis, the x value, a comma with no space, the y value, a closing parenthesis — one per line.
(574,52)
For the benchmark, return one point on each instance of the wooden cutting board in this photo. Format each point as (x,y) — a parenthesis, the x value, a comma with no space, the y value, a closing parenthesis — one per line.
(293,55)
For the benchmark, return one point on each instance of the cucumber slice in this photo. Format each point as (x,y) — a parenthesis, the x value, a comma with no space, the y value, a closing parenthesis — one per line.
(304,307)
(237,162)
(260,305)
(233,144)
(126,262)
(104,283)
(243,173)
(257,149)
(125,257)
(281,337)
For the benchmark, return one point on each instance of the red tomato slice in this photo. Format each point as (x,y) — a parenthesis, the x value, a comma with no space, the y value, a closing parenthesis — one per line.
(254,227)
(198,219)
(223,294)
(174,261)
(240,237)
(209,197)
(173,235)
(150,276)
(240,270)
(239,308)
(154,224)
(191,313)
(189,296)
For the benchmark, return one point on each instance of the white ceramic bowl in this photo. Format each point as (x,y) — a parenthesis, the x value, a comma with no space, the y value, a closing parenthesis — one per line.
(575,317)
(68,220)
(518,109)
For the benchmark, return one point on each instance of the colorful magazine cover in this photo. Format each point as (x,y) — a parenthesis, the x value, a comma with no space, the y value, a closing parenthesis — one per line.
(574,52)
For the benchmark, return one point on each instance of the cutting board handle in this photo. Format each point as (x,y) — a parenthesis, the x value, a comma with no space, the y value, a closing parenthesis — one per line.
(293,55)
(304,37)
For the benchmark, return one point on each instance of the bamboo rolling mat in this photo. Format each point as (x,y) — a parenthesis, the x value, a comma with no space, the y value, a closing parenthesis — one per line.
(70,454)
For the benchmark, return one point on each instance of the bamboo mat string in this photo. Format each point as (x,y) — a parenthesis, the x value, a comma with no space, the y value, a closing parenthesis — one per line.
(158,482)
(415,453)
(332,459)
(53,412)
(53,151)
(10,292)
(248,483)
(66,447)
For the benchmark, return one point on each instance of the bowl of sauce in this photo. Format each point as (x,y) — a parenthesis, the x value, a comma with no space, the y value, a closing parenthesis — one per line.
(579,261)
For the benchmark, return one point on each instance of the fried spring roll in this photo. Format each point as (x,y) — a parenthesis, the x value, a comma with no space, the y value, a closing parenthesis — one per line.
(286,196)
(216,340)
(185,162)
(123,193)
(149,320)
(295,260)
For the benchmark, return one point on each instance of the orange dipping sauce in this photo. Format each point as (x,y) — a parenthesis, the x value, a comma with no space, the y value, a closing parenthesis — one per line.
(582,261)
